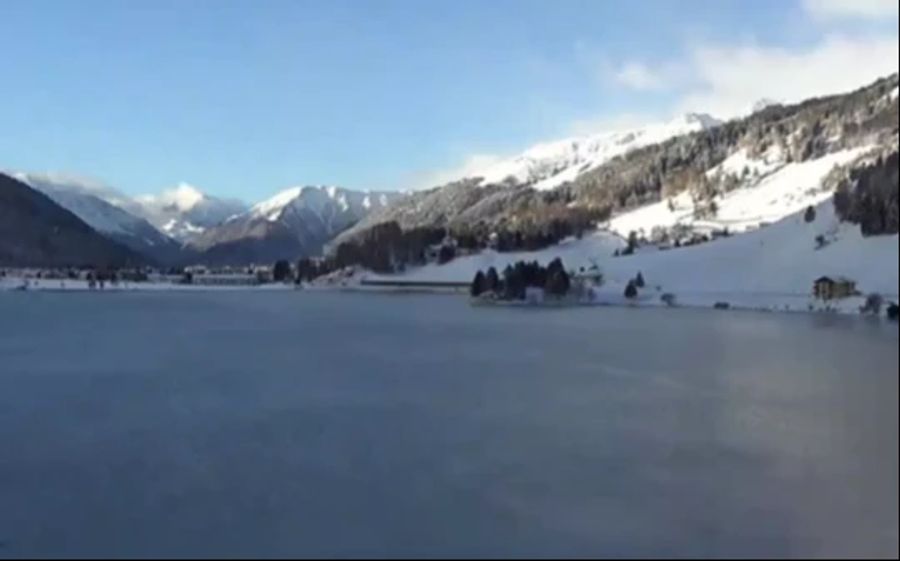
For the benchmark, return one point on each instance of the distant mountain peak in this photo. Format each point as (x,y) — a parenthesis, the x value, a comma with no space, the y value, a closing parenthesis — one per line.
(272,207)
(184,211)
(309,196)
(183,197)
(295,222)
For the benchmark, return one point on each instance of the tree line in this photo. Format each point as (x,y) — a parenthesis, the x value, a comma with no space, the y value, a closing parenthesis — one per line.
(869,197)
(387,248)
(516,279)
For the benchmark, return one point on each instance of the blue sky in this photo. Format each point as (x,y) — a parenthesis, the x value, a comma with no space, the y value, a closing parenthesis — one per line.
(244,98)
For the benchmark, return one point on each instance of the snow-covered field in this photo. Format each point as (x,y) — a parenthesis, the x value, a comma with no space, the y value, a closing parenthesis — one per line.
(771,191)
(769,268)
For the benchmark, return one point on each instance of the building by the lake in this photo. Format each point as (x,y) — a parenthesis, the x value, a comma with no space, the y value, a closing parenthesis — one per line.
(828,288)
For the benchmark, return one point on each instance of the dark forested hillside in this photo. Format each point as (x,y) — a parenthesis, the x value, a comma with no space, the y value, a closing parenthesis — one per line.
(35,231)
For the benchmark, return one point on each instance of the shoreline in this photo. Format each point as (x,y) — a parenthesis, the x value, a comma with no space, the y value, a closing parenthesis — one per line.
(16,284)
(736,301)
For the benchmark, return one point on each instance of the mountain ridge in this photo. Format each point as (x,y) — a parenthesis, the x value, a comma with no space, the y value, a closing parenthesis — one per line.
(643,175)
(36,231)
(296,222)
(109,219)
(550,190)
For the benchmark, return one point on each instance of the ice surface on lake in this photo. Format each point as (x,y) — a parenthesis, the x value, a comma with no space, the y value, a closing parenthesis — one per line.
(295,423)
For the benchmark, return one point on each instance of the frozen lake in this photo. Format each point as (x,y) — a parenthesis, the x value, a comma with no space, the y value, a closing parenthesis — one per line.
(301,424)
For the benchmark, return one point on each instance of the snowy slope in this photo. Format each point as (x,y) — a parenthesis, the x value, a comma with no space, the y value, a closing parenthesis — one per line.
(184,211)
(771,190)
(549,165)
(179,213)
(37,231)
(775,255)
(294,223)
(86,198)
(89,203)
(768,266)
(336,206)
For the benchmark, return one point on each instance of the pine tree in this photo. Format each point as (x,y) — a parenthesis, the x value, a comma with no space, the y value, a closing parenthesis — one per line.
(632,243)
(478,284)
(639,280)
(810,214)
(631,290)
(492,281)
(893,311)
(558,283)
(281,271)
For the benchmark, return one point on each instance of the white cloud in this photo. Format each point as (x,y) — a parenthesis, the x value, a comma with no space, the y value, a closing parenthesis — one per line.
(639,76)
(727,80)
(75,182)
(859,9)
(471,166)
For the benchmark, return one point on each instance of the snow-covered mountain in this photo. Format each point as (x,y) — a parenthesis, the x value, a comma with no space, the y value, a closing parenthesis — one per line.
(485,194)
(334,206)
(185,212)
(92,203)
(37,231)
(183,224)
(154,225)
(739,176)
(793,213)
(551,164)
(294,223)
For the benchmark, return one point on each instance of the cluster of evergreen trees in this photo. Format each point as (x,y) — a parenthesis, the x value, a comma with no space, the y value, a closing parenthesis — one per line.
(893,311)
(534,239)
(281,271)
(869,197)
(631,289)
(387,248)
(384,248)
(553,279)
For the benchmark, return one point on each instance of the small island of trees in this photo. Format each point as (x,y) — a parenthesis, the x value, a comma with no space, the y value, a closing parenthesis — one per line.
(517,280)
